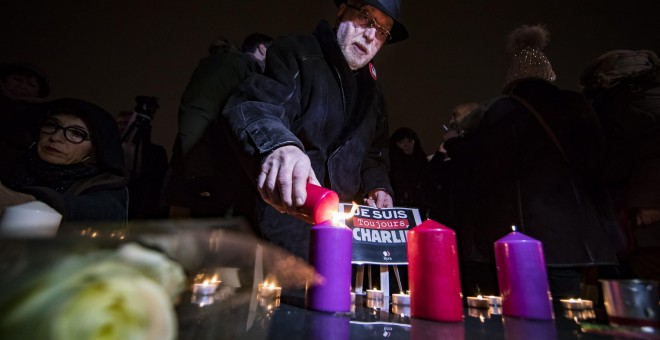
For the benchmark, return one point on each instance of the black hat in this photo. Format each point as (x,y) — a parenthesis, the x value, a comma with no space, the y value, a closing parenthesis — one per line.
(391,8)
(28,69)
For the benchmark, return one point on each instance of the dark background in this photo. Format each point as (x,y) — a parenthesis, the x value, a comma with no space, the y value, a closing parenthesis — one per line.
(108,52)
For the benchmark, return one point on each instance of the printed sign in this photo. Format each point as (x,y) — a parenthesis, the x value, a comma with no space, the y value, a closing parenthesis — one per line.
(380,236)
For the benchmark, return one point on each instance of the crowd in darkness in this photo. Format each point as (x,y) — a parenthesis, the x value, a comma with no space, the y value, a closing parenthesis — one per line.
(579,171)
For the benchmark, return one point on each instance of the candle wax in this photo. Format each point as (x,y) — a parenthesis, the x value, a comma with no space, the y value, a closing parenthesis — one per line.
(433,273)
(522,277)
(330,252)
(319,205)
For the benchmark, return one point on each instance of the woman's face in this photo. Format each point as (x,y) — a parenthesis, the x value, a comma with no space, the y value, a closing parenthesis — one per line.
(64,139)
(407,145)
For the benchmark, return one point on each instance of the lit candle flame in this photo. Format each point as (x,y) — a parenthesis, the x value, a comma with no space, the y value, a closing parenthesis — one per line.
(338,216)
(480,297)
(514,228)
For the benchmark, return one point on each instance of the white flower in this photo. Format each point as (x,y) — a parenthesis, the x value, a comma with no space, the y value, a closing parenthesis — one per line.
(99,295)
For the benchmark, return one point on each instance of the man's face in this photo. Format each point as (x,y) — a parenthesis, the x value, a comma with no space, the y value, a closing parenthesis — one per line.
(358,42)
(21,86)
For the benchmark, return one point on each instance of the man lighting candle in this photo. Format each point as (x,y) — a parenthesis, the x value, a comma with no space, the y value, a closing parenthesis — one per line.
(317,115)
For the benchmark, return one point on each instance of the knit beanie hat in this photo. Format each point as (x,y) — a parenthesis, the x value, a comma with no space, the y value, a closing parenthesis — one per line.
(526,45)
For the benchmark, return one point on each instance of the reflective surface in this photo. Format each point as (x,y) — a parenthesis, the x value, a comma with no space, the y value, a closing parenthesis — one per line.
(236,311)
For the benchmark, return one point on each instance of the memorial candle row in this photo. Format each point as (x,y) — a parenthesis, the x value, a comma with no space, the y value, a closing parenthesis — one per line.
(434,278)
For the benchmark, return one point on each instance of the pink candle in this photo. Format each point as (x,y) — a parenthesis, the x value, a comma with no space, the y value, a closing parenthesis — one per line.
(319,205)
(435,287)
(522,277)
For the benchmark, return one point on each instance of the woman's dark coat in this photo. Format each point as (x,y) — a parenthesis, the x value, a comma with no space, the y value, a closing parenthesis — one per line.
(516,175)
(102,196)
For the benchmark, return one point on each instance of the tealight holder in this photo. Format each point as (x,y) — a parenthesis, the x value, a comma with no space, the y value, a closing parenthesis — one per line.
(202,300)
(375,303)
(401,309)
(205,288)
(576,304)
(478,302)
(269,303)
(479,313)
(493,300)
(579,315)
(375,294)
(269,290)
(401,299)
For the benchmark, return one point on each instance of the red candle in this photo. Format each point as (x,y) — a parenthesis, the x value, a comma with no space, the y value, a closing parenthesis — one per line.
(435,286)
(319,205)
(522,277)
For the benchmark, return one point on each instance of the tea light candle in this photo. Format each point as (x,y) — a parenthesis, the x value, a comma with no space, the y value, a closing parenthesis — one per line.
(375,294)
(202,300)
(269,290)
(401,299)
(206,287)
(577,304)
(478,302)
(493,300)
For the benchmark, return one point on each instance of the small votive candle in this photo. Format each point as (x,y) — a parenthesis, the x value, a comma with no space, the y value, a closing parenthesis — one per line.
(206,287)
(576,304)
(375,294)
(202,300)
(478,302)
(401,299)
(269,290)
(375,303)
(493,300)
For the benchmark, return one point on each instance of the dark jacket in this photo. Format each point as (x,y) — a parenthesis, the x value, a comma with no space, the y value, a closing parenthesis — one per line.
(202,159)
(516,175)
(98,191)
(309,97)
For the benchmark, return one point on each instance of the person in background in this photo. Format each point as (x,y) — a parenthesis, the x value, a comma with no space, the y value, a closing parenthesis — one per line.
(317,115)
(407,167)
(515,172)
(76,165)
(624,87)
(124,120)
(22,85)
(204,173)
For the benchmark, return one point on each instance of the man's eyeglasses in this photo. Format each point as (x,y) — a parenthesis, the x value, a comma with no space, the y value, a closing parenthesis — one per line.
(73,134)
(367,21)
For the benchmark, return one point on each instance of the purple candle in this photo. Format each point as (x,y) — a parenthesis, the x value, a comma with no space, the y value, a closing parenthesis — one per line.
(330,252)
(522,277)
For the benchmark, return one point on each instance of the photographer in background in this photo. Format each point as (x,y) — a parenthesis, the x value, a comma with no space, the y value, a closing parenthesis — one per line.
(146,162)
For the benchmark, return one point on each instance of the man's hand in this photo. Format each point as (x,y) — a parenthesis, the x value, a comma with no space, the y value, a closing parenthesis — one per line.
(283,177)
(379,198)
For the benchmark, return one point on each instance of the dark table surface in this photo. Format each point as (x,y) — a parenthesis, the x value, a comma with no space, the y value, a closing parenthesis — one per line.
(243,315)
(236,312)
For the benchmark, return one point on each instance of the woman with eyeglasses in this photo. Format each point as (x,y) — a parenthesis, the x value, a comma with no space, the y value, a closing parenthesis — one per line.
(76,164)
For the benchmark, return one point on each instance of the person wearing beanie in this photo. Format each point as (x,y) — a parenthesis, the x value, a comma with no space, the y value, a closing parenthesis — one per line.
(317,115)
(531,162)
